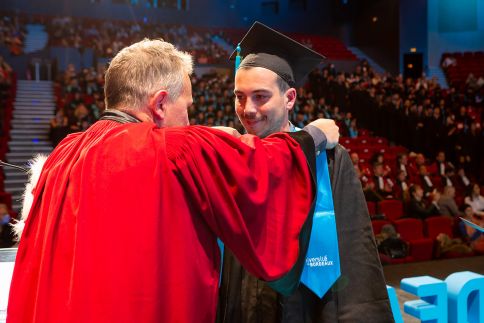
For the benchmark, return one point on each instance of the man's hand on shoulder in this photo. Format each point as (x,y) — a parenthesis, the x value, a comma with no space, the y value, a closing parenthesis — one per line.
(330,130)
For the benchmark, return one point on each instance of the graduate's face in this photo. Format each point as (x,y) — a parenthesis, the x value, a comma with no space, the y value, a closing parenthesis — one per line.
(259,104)
(176,112)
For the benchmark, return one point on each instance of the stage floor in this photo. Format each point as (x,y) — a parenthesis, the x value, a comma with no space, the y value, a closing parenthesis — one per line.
(436,268)
(393,274)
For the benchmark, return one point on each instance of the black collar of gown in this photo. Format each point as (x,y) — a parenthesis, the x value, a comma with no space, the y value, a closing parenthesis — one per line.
(118,116)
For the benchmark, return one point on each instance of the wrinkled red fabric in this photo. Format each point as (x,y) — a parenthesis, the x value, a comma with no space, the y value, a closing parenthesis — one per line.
(125,219)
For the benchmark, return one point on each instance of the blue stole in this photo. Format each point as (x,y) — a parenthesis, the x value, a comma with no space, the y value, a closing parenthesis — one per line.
(322,265)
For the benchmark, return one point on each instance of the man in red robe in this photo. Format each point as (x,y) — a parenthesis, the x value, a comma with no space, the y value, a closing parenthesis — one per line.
(125,216)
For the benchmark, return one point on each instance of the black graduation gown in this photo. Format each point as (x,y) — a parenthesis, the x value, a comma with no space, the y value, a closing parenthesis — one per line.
(360,294)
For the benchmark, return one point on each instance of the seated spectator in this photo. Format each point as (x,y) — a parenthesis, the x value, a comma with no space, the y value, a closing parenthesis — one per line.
(425,181)
(59,127)
(447,245)
(473,236)
(6,230)
(369,189)
(81,119)
(415,166)
(402,164)
(383,184)
(400,189)
(461,180)
(471,82)
(379,158)
(353,129)
(447,204)
(390,244)
(416,207)
(442,167)
(448,62)
(355,159)
(447,179)
(345,124)
(475,200)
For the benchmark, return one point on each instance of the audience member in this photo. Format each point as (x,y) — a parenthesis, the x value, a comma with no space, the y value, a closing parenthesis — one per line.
(417,208)
(475,199)
(383,185)
(425,181)
(6,231)
(473,236)
(447,204)
(401,187)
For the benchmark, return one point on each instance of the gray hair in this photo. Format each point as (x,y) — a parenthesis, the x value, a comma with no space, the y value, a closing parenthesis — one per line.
(139,70)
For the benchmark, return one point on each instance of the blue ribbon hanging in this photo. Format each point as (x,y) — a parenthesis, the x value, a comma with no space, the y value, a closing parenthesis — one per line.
(322,265)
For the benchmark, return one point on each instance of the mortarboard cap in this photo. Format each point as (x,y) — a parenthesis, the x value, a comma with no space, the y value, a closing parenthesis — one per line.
(264,47)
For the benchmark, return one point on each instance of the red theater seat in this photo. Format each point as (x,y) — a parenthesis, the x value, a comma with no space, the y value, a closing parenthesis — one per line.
(411,230)
(377,225)
(392,209)
(439,224)
(371,208)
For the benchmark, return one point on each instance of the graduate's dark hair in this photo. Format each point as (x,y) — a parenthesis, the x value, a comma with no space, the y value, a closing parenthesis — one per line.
(282,85)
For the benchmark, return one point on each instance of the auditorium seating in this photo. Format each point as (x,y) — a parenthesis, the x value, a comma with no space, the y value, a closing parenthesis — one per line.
(411,230)
(371,208)
(439,224)
(331,47)
(6,113)
(465,63)
(378,224)
(392,209)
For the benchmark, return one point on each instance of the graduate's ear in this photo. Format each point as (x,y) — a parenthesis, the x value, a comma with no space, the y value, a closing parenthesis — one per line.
(290,98)
(157,106)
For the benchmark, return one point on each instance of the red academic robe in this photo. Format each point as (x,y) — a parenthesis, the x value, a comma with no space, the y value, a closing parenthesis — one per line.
(125,220)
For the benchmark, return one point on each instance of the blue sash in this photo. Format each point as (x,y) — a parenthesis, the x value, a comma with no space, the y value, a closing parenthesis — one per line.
(221,247)
(322,265)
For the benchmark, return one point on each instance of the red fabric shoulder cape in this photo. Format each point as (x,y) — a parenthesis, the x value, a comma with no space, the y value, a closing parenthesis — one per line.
(125,219)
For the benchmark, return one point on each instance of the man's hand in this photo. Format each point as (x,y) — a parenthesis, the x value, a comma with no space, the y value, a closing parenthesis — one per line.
(231,131)
(330,129)
(435,196)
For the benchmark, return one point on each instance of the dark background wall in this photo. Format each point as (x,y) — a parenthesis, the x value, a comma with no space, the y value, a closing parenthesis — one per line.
(295,15)
(413,30)
(374,28)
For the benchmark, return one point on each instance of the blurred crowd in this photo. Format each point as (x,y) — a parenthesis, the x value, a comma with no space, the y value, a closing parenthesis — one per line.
(12,34)
(430,140)
(108,37)
(416,114)
(6,82)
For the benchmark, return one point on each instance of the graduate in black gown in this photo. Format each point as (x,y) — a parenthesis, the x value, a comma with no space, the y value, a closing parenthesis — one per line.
(359,295)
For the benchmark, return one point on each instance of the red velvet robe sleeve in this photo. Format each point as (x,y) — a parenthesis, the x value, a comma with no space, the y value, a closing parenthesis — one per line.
(125,218)
(255,197)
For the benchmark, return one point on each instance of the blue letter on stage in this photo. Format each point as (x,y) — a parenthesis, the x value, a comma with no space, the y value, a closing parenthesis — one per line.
(392,295)
(432,307)
(466,297)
